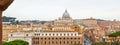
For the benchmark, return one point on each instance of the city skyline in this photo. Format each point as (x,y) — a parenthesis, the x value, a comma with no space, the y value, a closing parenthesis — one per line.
(51,10)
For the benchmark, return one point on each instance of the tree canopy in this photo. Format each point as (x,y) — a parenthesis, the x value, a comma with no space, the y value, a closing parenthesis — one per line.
(115,34)
(16,42)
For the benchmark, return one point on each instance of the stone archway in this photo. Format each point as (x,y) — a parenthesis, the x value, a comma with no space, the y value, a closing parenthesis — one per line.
(3,6)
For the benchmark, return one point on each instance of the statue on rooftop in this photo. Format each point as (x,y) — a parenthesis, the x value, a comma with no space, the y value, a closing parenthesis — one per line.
(3,6)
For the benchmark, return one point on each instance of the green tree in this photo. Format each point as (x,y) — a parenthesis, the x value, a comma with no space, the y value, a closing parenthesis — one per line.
(100,43)
(16,42)
(5,43)
(114,36)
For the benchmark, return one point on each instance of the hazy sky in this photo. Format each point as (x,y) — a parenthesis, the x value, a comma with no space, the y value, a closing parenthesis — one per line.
(52,9)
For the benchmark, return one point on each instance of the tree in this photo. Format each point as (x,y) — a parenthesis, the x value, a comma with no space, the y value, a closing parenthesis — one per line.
(16,42)
(114,36)
(5,43)
(100,43)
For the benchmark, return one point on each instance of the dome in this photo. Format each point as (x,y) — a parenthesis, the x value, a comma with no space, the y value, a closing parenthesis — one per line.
(66,15)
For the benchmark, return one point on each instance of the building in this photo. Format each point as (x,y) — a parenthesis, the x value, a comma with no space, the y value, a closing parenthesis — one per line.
(63,31)
(26,36)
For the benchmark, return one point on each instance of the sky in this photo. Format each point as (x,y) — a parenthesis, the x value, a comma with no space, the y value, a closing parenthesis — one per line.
(53,9)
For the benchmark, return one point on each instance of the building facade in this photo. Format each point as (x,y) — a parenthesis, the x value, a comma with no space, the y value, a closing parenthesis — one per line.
(63,31)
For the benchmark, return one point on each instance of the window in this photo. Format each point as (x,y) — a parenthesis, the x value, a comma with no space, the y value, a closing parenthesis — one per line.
(26,34)
(75,42)
(60,42)
(50,34)
(71,38)
(35,34)
(11,35)
(78,38)
(67,42)
(71,34)
(42,34)
(60,34)
(33,42)
(45,38)
(56,42)
(41,42)
(74,38)
(64,34)
(46,34)
(52,38)
(52,42)
(60,38)
(49,38)
(57,34)
(56,38)
(71,42)
(75,34)
(68,34)
(45,42)
(64,42)
(64,38)
(53,34)
(41,38)
(37,38)
(67,38)
(78,42)
(37,42)
(49,42)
